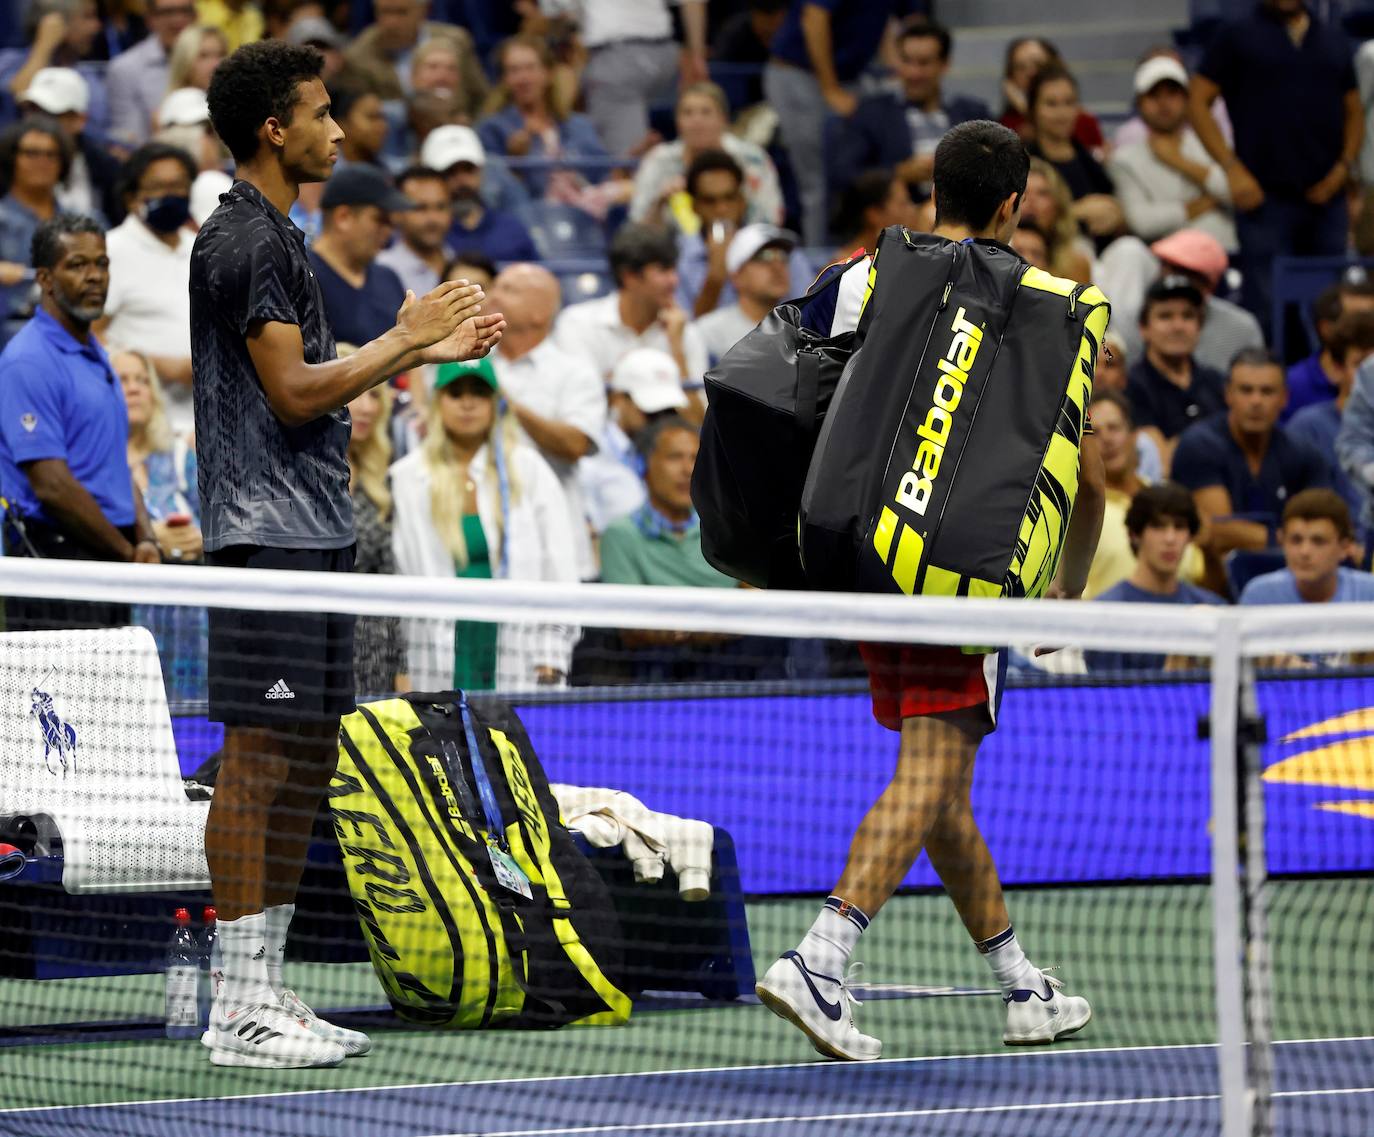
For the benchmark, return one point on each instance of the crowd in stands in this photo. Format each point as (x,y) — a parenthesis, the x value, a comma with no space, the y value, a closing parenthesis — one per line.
(636,183)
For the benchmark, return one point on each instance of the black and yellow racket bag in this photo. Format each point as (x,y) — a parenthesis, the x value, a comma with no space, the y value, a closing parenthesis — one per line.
(477,907)
(948,461)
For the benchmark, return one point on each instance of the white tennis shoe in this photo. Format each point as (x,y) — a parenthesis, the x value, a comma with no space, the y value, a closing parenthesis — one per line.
(354,1042)
(1034,1018)
(822,1006)
(268,1036)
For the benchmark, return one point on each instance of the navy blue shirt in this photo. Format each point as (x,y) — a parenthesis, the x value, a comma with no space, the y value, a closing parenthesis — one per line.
(1171,410)
(359,315)
(1207,455)
(61,399)
(1125,591)
(499,234)
(1286,101)
(856,31)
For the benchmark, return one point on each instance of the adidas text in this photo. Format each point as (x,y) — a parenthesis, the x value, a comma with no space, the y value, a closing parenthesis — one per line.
(279,690)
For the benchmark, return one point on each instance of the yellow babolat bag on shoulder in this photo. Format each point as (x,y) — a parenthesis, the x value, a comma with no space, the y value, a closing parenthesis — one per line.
(477,906)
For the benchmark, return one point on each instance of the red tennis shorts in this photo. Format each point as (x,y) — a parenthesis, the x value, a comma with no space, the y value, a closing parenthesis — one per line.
(911,680)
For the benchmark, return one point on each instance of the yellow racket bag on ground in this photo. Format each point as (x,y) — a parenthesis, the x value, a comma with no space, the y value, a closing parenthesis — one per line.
(477,906)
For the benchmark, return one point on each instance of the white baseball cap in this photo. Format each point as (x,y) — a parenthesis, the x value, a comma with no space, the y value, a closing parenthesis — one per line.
(446,146)
(205,193)
(651,379)
(58,90)
(750,241)
(1160,69)
(186,106)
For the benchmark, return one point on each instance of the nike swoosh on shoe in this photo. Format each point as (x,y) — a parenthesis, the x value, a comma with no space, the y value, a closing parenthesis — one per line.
(832,1011)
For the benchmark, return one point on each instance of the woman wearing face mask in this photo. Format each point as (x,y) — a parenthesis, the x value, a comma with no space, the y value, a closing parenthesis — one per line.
(477,503)
(149,306)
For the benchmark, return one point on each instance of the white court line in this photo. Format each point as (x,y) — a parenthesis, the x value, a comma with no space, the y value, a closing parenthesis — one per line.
(1007,1054)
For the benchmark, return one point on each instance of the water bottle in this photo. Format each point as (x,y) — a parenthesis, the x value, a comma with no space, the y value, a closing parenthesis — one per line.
(182,975)
(211,967)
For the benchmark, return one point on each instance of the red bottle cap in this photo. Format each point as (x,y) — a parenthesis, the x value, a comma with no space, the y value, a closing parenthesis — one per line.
(183,916)
(209,916)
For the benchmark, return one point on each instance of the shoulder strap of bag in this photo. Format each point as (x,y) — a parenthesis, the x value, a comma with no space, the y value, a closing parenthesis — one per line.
(491,808)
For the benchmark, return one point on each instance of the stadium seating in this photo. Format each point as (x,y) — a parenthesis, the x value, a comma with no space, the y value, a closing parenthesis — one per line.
(562,232)
(1300,280)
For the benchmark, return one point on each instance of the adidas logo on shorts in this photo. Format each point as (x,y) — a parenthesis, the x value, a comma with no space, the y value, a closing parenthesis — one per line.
(279,690)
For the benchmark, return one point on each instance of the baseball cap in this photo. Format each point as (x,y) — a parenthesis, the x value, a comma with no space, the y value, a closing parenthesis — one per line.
(1194,251)
(750,241)
(58,90)
(315,30)
(651,379)
(1173,287)
(452,372)
(446,146)
(361,184)
(1160,69)
(206,191)
(186,106)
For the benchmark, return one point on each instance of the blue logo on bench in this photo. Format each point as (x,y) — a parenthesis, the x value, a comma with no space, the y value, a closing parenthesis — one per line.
(59,737)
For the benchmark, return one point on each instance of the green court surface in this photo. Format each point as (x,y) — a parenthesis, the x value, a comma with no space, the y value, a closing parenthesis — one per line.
(1142,955)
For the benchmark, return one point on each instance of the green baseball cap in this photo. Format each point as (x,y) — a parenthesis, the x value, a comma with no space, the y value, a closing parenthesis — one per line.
(478,368)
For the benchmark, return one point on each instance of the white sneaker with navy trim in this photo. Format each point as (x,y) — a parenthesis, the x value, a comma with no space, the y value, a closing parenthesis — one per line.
(354,1042)
(822,1006)
(1035,1018)
(268,1036)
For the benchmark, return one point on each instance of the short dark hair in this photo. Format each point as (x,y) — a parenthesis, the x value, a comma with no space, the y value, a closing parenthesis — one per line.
(1118,400)
(1329,303)
(636,246)
(861,194)
(1153,504)
(420,174)
(9,146)
(646,441)
(1050,72)
(978,165)
(927,29)
(259,81)
(131,173)
(45,250)
(1320,504)
(1172,286)
(344,95)
(1255,357)
(474,257)
(712,161)
(1353,329)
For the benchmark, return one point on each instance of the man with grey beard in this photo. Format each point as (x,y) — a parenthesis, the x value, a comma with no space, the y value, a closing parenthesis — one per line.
(64,432)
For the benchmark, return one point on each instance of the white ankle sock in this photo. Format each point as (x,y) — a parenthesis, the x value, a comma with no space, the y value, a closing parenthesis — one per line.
(243,943)
(1009,963)
(278,922)
(833,937)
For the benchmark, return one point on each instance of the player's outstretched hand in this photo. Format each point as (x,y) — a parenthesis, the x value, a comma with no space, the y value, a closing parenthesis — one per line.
(435,316)
(472,339)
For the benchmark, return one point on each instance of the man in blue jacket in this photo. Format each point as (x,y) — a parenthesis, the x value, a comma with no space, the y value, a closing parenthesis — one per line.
(900,132)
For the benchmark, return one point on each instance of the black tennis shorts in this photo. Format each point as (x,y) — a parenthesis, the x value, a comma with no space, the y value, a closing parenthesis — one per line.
(270,668)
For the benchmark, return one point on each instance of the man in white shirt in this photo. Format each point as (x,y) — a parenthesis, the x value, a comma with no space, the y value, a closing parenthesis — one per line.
(419,253)
(758,263)
(641,312)
(137,78)
(149,306)
(558,400)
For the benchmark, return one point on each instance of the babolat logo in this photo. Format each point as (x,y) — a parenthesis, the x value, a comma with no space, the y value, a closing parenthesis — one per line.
(445,788)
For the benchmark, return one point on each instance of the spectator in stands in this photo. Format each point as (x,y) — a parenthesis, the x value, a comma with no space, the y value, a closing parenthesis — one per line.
(59,34)
(1167,182)
(63,432)
(703,122)
(1317,378)
(1355,442)
(1241,465)
(1024,58)
(819,54)
(1113,363)
(361,296)
(1030,244)
(869,204)
(381,55)
(64,95)
(1053,111)
(324,37)
(419,255)
(758,263)
(1168,389)
(473,266)
(457,153)
(526,118)
(1318,424)
(632,63)
(452,519)
(901,131)
(1161,523)
(35,156)
(716,185)
(1317,538)
(137,78)
(194,57)
(1294,104)
(184,122)
(558,401)
(148,308)
(238,21)
(1050,207)
(359,112)
(379,648)
(743,38)
(642,312)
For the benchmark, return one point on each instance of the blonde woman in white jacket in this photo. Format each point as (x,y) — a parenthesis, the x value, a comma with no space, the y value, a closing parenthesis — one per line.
(474,501)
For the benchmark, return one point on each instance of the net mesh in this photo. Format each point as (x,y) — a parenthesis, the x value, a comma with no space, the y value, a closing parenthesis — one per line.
(1189,849)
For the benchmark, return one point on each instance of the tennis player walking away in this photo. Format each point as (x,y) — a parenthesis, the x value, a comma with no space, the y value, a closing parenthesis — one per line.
(272,434)
(943,702)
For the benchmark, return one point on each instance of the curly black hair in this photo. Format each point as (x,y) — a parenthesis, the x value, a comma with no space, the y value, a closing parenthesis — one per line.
(254,84)
(45,250)
(34,124)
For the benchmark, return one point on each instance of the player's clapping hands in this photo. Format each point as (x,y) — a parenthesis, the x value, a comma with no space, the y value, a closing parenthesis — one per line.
(447,324)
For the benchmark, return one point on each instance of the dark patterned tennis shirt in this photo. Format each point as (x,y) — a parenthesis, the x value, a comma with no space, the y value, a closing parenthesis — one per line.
(261,481)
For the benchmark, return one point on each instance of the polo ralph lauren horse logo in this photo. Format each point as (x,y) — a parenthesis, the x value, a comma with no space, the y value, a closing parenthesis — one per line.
(59,737)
